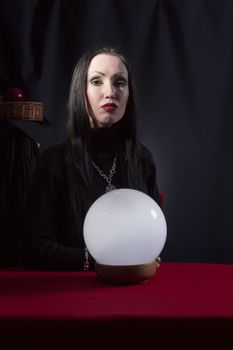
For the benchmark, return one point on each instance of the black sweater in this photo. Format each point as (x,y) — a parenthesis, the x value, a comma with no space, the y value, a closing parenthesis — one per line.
(53,240)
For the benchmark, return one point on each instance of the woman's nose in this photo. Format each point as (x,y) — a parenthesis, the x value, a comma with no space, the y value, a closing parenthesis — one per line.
(109,91)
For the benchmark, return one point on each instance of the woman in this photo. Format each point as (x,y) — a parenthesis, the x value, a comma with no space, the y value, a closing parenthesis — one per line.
(101,153)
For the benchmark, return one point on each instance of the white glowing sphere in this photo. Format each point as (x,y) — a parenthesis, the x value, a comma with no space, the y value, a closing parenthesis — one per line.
(125,227)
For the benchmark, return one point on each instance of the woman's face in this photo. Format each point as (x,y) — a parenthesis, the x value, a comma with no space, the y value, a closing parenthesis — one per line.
(107,89)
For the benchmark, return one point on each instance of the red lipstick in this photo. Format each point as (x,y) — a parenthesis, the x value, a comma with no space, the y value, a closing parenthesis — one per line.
(109,106)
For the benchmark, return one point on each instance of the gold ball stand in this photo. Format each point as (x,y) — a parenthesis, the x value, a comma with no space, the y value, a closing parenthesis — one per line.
(135,274)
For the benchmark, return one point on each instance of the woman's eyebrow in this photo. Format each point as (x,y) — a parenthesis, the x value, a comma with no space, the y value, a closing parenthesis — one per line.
(97,72)
(120,73)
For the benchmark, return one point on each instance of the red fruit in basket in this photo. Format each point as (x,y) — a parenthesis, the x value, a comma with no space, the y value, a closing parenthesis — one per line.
(14,94)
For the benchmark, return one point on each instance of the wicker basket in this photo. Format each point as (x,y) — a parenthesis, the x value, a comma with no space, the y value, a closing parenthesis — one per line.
(26,110)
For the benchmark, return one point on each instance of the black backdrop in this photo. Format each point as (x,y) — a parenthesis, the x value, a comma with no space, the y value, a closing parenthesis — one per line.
(181,53)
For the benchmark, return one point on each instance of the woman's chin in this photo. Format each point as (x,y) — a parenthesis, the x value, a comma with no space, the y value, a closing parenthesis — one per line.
(107,123)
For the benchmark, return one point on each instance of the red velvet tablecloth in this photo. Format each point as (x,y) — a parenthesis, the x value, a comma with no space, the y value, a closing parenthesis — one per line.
(183,306)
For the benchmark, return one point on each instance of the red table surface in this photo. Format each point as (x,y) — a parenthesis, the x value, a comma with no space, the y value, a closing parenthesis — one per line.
(182,299)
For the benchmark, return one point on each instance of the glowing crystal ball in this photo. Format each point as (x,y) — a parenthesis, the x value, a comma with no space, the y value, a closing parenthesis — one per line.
(125,227)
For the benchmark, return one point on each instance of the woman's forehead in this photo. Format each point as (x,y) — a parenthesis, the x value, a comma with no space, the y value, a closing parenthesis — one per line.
(103,63)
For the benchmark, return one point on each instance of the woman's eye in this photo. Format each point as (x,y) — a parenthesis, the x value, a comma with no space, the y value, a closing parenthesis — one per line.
(121,82)
(96,82)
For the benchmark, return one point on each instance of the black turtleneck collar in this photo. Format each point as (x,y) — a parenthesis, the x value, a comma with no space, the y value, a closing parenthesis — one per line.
(105,140)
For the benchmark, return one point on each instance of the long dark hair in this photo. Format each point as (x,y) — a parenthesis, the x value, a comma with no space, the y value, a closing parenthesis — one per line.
(78,129)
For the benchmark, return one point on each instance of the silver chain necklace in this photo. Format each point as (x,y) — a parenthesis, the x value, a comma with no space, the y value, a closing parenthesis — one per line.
(109,187)
(108,178)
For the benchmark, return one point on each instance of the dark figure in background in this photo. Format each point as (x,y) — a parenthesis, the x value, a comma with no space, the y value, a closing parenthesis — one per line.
(69,177)
(18,153)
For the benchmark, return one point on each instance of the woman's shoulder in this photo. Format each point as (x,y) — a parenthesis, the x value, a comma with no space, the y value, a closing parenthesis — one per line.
(145,153)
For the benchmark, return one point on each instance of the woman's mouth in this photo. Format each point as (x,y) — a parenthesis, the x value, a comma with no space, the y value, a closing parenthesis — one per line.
(109,107)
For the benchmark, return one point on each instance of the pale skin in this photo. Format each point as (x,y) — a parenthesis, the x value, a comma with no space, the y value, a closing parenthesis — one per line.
(107,89)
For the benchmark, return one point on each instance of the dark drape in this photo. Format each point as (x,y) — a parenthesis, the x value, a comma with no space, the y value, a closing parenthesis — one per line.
(181,53)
